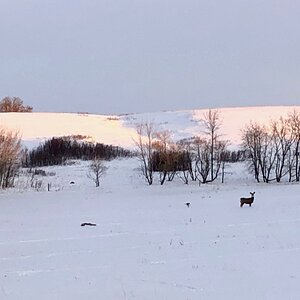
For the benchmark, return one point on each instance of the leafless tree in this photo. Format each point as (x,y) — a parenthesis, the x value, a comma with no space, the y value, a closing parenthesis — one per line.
(185,148)
(212,124)
(253,137)
(161,146)
(188,146)
(10,157)
(258,141)
(294,161)
(283,139)
(202,162)
(144,144)
(291,158)
(267,158)
(96,170)
(222,157)
(209,148)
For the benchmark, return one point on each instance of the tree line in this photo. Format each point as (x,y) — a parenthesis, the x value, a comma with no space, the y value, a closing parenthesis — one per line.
(57,150)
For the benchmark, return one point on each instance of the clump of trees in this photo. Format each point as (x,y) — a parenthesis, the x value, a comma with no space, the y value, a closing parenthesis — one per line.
(168,159)
(273,150)
(10,157)
(199,158)
(14,104)
(57,150)
(157,153)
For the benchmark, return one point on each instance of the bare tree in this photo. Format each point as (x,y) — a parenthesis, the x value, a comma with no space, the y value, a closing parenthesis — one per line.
(184,148)
(253,137)
(162,146)
(259,143)
(294,161)
(283,138)
(144,144)
(221,158)
(13,104)
(212,124)
(96,170)
(267,159)
(291,157)
(209,149)
(10,157)
(188,146)
(202,162)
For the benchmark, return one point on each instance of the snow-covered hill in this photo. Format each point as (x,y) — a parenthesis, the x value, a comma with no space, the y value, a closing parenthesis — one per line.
(147,243)
(120,130)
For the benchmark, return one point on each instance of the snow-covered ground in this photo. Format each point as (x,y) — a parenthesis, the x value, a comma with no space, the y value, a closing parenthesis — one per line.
(147,243)
(120,130)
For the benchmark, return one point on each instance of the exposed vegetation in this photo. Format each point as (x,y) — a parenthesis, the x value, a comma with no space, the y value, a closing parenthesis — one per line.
(13,104)
(10,157)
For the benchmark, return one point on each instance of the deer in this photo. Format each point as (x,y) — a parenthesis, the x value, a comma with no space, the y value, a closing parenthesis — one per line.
(248,201)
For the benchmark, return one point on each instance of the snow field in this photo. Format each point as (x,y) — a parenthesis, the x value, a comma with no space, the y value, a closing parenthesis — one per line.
(36,127)
(147,243)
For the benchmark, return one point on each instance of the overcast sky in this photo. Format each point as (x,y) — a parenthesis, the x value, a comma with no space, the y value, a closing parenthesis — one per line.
(119,56)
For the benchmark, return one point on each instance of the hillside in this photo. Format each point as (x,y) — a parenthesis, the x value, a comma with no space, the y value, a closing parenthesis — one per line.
(120,130)
(147,243)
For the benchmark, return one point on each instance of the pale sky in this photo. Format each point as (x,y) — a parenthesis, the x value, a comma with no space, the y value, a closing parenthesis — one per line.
(121,56)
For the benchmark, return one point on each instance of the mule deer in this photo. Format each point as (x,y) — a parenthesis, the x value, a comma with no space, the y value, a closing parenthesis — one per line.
(248,200)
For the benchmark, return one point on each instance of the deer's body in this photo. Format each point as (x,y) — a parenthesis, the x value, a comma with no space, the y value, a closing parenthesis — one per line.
(248,201)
